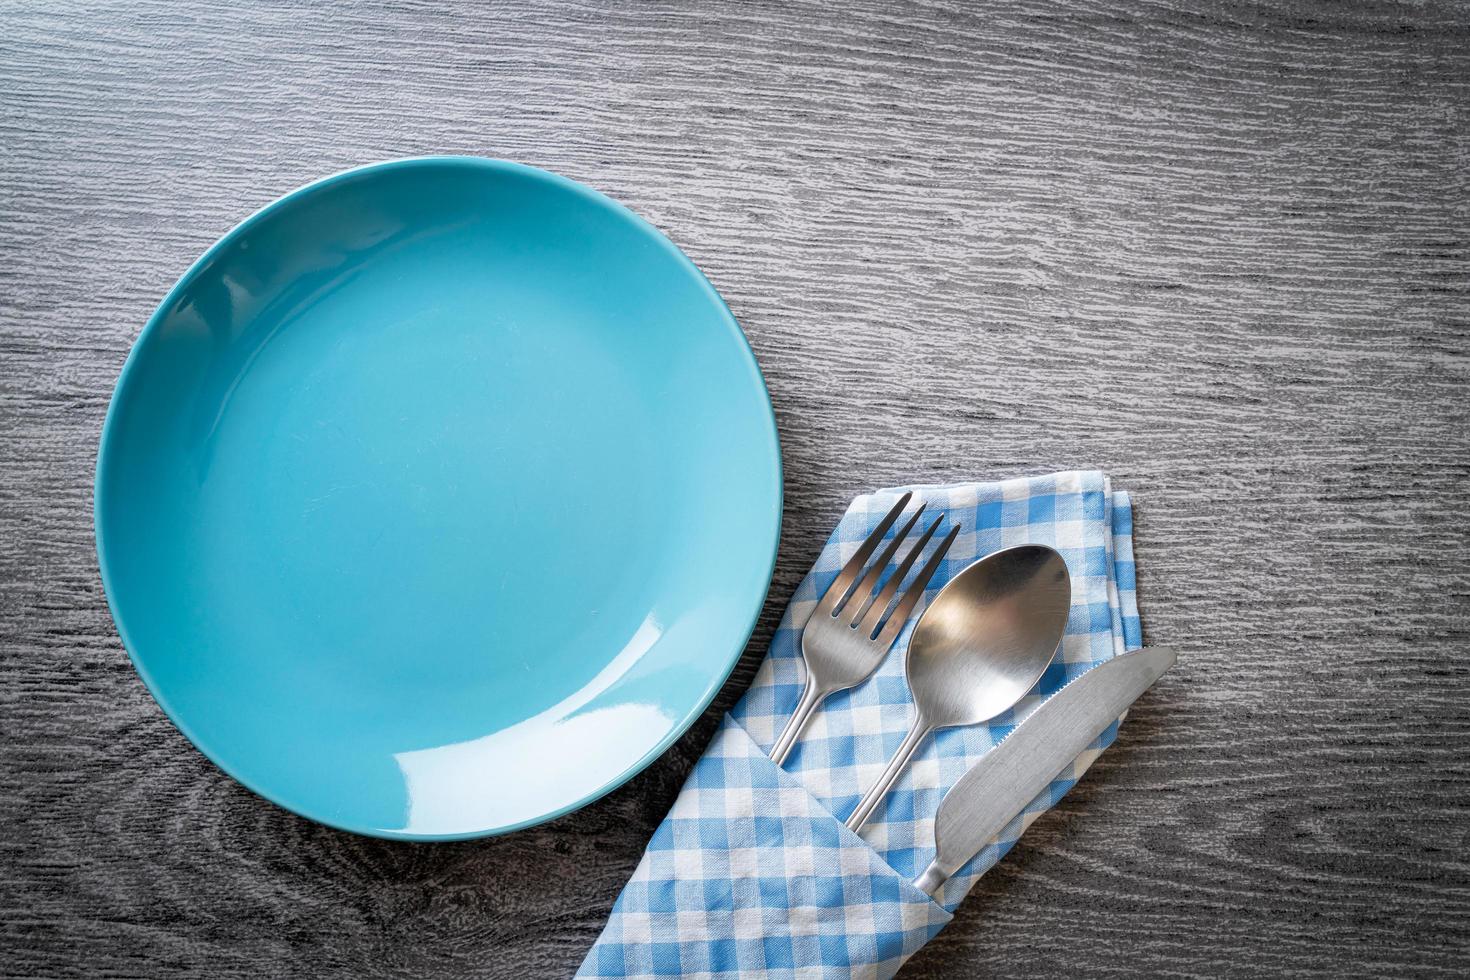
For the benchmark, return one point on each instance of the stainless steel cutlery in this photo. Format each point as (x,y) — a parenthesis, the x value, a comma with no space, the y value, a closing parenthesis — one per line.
(847,635)
(983,642)
(980,646)
(1009,776)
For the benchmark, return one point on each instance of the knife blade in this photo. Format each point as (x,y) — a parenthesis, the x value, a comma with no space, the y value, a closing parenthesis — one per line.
(1009,776)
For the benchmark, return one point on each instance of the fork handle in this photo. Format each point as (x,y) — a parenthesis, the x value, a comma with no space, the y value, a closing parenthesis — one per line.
(805,707)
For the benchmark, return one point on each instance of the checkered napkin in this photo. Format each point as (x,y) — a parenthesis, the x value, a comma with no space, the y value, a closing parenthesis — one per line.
(753,873)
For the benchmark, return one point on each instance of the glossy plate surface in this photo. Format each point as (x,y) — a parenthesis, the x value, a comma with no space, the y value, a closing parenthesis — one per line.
(438,498)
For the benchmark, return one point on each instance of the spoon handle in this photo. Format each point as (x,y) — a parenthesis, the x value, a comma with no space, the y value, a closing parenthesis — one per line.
(885,782)
(810,698)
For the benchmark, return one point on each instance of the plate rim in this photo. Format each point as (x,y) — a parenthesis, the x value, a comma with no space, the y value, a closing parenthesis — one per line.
(129,369)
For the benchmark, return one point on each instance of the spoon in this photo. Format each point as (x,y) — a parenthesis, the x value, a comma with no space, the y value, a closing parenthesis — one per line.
(983,643)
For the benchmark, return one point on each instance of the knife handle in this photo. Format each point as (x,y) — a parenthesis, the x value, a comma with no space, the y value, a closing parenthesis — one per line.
(931,880)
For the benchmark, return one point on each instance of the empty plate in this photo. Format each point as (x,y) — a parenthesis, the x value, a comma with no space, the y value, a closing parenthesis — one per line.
(438,498)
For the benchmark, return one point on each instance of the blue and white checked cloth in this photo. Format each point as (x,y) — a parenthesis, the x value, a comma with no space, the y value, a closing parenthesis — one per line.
(752,873)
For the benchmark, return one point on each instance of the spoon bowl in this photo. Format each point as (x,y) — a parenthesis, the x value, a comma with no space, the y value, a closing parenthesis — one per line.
(988,636)
(981,644)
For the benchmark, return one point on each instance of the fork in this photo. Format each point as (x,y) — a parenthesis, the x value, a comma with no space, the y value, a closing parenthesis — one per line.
(847,637)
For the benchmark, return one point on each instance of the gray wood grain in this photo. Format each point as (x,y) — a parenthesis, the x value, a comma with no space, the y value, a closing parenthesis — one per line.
(1221,250)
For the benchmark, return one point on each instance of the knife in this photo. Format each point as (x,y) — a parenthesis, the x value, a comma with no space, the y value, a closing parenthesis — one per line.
(1010,775)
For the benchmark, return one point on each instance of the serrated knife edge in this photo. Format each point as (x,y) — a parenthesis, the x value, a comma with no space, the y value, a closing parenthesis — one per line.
(1009,776)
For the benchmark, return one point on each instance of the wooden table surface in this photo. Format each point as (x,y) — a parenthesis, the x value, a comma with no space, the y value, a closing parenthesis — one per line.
(1221,250)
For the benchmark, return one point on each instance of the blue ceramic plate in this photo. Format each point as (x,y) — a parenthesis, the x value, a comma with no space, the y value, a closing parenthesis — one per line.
(438,498)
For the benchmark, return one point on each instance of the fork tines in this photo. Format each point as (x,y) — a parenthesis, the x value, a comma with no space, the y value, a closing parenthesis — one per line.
(860,603)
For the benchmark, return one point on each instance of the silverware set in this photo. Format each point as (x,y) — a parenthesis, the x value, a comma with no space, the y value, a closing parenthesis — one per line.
(976,650)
